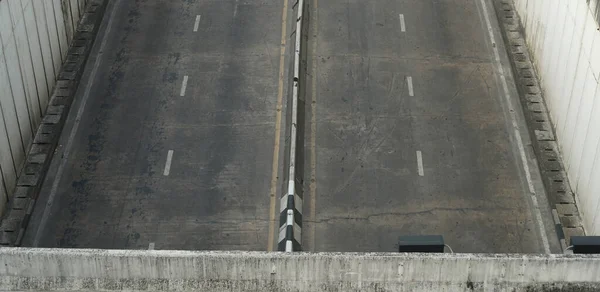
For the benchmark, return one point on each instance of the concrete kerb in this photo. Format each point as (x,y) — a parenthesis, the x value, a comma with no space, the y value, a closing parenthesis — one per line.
(290,231)
(29,269)
(560,196)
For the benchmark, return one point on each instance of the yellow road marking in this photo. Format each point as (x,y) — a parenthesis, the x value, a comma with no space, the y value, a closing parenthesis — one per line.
(313,133)
(275,168)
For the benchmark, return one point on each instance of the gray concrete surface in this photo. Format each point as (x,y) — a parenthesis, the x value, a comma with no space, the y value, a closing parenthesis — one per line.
(364,129)
(130,270)
(110,190)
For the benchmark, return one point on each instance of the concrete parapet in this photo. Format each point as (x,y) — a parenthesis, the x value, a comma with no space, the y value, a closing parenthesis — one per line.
(120,270)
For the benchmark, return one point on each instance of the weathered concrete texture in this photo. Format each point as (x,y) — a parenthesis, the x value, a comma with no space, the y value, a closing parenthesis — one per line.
(106,187)
(34,37)
(89,270)
(564,42)
(368,122)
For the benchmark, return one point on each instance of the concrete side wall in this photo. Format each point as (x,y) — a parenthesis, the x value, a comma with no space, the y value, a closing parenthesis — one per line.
(564,40)
(34,38)
(56,269)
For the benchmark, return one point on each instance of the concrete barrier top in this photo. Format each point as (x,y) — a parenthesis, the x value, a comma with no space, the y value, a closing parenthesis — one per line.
(93,270)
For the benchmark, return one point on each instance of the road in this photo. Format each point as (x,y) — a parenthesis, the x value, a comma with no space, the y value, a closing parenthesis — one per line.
(175,144)
(412,126)
(410,131)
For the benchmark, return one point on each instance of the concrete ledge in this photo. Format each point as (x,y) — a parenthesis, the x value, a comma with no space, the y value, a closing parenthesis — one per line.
(93,270)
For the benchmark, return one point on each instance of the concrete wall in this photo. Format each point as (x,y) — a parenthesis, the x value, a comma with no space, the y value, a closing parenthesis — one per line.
(564,41)
(34,38)
(92,270)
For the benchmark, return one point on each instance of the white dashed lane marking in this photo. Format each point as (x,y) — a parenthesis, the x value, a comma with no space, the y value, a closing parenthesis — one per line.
(184,85)
(168,163)
(409,81)
(402,23)
(197,24)
(420,163)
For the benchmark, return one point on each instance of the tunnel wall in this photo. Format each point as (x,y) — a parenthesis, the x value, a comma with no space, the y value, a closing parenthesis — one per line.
(34,37)
(564,41)
(24,269)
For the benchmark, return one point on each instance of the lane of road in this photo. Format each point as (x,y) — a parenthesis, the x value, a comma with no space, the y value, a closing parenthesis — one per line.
(410,132)
(175,144)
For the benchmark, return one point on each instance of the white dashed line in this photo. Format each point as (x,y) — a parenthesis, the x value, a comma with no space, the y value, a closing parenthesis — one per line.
(184,85)
(411,91)
(235,8)
(151,246)
(197,24)
(420,163)
(402,24)
(168,163)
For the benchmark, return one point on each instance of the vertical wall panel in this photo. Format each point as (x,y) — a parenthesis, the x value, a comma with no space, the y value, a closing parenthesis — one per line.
(24,110)
(7,165)
(12,104)
(45,52)
(75,12)
(37,65)
(567,56)
(53,35)
(67,14)
(62,26)
(81,7)
(595,200)
(34,39)
(581,129)
(588,153)
(566,130)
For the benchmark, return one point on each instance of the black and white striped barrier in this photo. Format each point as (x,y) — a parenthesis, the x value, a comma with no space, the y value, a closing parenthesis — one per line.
(290,218)
(290,228)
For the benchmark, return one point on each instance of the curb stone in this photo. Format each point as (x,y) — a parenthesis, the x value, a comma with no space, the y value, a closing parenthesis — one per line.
(564,209)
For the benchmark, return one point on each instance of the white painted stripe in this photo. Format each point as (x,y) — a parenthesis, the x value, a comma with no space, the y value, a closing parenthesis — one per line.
(538,214)
(289,246)
(411,91)
(197,23)
(283,203)
(235,8)
(402,24)
(420,163)
(184,85)
(282,231)
(168,163)
(151,246)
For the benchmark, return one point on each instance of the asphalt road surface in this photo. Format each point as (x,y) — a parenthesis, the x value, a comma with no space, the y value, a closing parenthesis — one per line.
(410,131)
(412,126)
(175,145)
